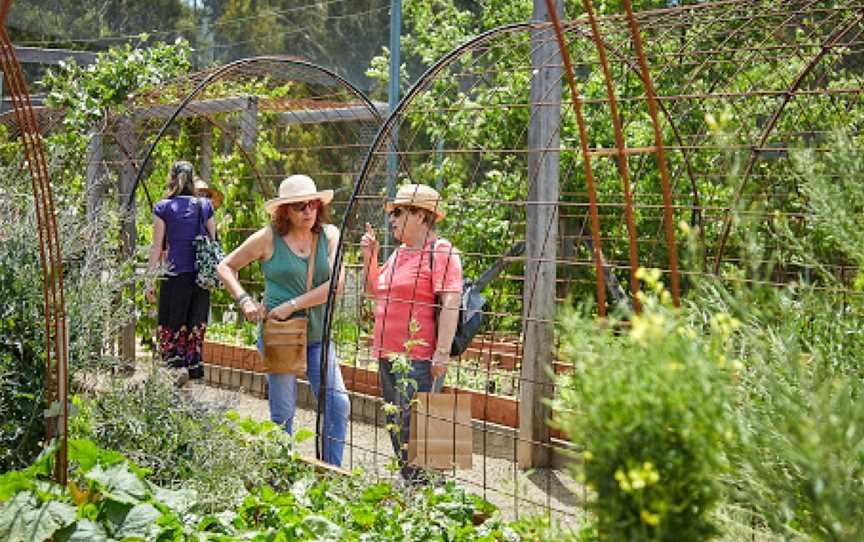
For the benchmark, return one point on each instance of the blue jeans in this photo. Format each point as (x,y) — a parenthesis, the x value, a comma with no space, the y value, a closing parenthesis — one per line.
(421,374)
(282,396)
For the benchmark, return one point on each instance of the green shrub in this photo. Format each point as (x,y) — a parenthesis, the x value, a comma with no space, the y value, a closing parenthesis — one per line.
(798,467)
(92,278)
(799,463)
(649,409)
(184,442)
(109,498)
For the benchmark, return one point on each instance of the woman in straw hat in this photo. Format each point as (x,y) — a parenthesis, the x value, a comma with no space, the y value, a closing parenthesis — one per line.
(298,216)
(204,190)
(183,305)
(421,277)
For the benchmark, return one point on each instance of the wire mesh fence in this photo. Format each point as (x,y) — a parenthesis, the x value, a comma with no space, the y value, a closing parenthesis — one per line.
(493,126)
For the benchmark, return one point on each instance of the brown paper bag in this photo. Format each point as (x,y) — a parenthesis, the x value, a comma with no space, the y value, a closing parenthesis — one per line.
(441,435)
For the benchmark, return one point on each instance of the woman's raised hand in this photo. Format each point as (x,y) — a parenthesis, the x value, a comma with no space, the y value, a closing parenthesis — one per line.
(369,244)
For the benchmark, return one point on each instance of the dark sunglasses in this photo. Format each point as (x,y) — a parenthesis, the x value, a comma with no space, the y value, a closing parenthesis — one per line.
(397,211)
(301,206)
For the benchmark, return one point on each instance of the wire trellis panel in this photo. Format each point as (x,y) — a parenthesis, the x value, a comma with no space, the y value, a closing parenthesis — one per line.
(739,85)
(736,85)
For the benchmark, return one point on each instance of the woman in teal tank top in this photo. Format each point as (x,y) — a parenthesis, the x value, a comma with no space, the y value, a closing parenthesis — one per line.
(298,218)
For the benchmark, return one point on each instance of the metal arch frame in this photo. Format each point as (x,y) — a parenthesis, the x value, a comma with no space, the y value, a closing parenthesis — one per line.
(422,83)
(383,135)
(225,70)
(50,255)
(216,75)
(769,128)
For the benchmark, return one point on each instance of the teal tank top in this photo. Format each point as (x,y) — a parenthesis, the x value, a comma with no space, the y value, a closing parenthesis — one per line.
(285,278)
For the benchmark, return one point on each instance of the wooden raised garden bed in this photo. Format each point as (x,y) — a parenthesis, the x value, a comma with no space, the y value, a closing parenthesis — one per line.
(493,408)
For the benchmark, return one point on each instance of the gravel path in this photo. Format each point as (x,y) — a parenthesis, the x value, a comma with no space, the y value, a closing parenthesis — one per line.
(517,493)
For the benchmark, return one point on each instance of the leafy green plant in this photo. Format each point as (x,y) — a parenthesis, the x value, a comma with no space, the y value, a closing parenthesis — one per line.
(92,278)
(244,333)
(110,498)
(649,409)
(183,442)
(405,386)
(798,465)
(86,92)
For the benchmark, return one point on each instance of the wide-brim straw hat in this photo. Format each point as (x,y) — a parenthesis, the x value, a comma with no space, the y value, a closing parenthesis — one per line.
(297,188)
(216,197)
(419,196)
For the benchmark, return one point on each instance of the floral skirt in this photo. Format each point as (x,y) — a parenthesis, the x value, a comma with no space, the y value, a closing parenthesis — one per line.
(183,309)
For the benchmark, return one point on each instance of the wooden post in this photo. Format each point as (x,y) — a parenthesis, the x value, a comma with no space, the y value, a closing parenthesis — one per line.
(206,157)
(249,125)
(128,149)
(541,241)
(95,186)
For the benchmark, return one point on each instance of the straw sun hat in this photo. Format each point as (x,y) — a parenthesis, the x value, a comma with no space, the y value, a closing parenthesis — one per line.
(419,196)
(298,188)
(216,197)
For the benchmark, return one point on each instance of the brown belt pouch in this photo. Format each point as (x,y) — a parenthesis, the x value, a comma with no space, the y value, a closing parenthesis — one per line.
(285,340)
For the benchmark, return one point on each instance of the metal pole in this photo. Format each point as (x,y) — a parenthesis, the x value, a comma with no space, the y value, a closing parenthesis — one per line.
(392,101)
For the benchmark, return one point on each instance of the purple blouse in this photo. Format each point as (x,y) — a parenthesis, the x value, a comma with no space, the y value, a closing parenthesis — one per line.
(181,217)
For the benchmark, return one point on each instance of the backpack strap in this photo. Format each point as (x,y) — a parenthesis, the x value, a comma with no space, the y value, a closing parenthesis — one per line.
(432,260)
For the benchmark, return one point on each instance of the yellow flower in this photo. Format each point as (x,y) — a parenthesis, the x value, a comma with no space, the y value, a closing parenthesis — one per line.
(623,482)
(648,518)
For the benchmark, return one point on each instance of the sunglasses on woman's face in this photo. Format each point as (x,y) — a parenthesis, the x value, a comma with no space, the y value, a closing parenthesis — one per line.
(397,211)
(301,206)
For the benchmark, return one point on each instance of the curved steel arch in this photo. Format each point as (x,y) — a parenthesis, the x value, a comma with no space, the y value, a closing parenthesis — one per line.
(50,255)
(769,128)
(385,131)
(428,77)
(226,70)
(217,75)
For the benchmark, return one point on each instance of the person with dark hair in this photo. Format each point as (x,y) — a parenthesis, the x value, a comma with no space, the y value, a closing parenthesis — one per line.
(417,294)
(299,218)
(183,305)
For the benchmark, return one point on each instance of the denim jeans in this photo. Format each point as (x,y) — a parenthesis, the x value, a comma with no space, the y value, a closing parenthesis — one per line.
(282,396)
(421,374)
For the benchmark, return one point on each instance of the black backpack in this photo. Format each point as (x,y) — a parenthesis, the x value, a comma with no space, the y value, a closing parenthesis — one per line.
(472,303)
(470,312)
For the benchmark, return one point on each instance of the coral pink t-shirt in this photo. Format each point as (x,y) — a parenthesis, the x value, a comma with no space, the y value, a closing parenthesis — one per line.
(406,290)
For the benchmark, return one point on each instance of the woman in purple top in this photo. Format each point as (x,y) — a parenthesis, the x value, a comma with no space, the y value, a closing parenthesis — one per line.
(183,305)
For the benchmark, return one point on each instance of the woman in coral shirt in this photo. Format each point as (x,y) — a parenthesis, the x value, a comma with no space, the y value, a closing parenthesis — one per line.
(417,293)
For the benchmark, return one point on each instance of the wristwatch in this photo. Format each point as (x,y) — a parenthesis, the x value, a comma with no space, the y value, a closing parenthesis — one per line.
(293,304)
